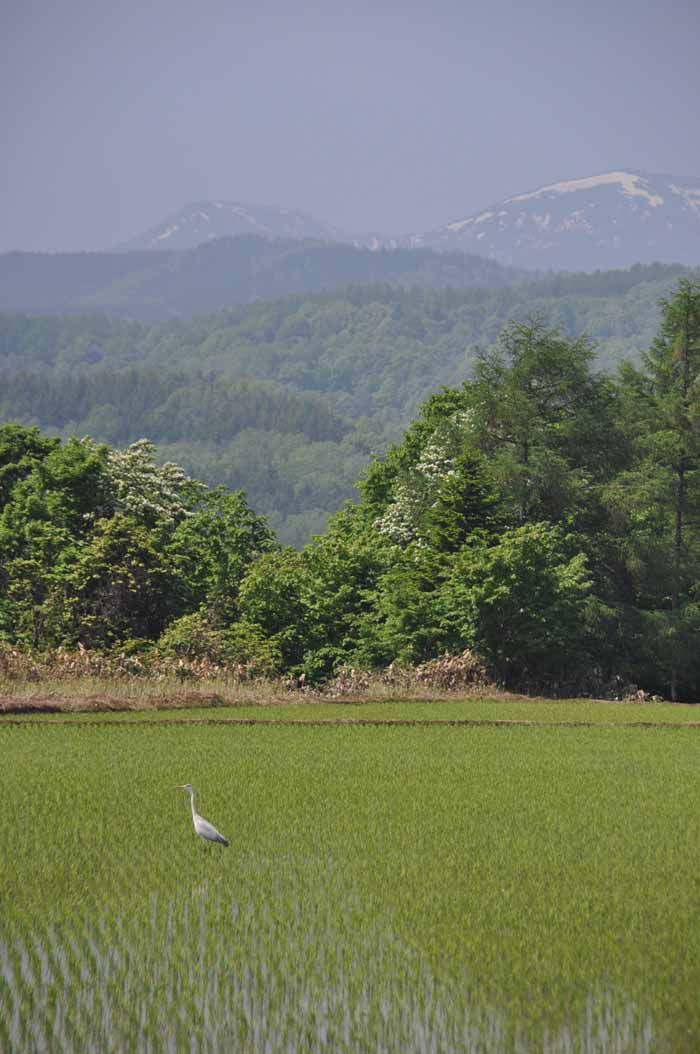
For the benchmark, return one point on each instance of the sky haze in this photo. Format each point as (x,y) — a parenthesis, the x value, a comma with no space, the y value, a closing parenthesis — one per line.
(388,117)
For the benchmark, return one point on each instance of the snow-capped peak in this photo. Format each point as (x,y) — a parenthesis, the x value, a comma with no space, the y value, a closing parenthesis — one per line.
(610,220)
(628,181)
(202,221)
(613,219)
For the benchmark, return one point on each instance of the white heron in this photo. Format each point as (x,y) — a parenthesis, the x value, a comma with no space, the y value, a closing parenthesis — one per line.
(204,829)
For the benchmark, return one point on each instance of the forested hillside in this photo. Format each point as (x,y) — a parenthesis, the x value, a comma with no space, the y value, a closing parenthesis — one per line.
(287,399)
(176,284)
(542,514)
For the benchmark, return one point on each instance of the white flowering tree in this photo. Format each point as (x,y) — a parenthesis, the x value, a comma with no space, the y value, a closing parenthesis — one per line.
(141,488)
(419,488)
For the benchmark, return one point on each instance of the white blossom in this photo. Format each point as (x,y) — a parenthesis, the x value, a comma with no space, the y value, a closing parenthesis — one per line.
(141,488)
(420,489)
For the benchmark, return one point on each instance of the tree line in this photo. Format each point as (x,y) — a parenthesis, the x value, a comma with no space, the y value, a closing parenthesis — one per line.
(287,399)
(543,514)
(152,286)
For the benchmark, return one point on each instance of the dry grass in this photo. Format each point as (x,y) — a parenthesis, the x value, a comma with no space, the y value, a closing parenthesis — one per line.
(94,694)
(88,695)
(73,682)
(84,682)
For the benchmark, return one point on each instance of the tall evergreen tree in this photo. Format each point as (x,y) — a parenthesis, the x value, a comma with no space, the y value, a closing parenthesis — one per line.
(673,364)
(544,419)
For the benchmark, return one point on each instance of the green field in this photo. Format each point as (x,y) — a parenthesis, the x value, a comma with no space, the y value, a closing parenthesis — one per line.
(406,888)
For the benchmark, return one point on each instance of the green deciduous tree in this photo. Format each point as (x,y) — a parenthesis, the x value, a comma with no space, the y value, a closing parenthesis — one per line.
(212,548)
(20,450)
(275,596)
(344,566)
(403,623)
(121,587)
(520,604)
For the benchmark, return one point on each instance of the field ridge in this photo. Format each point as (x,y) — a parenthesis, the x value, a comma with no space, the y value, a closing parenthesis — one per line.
(344,722)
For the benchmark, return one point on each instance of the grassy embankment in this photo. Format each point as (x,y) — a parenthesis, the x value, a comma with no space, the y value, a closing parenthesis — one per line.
(417,887)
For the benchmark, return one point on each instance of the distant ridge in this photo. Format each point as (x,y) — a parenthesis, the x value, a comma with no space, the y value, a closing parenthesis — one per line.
(601,222)
(610,220)
(202,221)
(222,273)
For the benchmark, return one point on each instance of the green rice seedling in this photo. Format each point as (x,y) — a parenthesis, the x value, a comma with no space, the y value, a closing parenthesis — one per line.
(278,986)
(468,709)
(466,888)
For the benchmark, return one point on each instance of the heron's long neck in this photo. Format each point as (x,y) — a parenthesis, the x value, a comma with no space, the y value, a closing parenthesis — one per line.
(194,811)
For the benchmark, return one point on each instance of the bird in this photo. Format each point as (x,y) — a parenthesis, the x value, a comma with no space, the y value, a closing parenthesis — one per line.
(204,829)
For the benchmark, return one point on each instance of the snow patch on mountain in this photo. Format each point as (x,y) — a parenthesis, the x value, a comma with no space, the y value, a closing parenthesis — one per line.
(690,195)
(629,181)
(200,222)
(576,220)
(614,219)
(168,232)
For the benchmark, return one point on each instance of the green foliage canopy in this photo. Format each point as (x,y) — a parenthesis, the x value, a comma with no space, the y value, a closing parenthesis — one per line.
(542,514)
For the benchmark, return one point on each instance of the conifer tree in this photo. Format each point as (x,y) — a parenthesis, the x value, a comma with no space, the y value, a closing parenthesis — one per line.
(673,364)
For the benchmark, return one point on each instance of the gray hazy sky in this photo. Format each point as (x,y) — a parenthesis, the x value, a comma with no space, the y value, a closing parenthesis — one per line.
(386,116)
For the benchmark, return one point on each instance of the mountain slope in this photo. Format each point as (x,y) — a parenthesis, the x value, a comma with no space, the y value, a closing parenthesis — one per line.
(286,399)
(600,222)
(372,351)
(202,221)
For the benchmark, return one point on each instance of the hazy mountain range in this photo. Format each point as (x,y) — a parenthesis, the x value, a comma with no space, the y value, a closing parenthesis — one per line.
(597,222)
(202,221)
(606,221)
(215,255)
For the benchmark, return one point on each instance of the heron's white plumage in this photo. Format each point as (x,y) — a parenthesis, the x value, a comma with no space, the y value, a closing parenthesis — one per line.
(203,828)
(207,830)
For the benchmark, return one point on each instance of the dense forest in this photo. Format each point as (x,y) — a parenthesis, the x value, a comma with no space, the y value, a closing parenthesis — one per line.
(175,284)
(288,399)
(542,513)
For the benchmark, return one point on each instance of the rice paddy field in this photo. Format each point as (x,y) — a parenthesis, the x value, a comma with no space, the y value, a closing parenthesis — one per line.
(475,876)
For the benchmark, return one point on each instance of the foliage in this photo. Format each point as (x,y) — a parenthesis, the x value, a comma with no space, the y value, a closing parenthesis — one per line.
(520,605)
(402,625)
(20,449)
(211,550)
(542,514)
(658,499)
(287,399)
(120,587)
(241,650)
(344,566)
(149,492)
(100,546)
(275,598)
(223,272)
